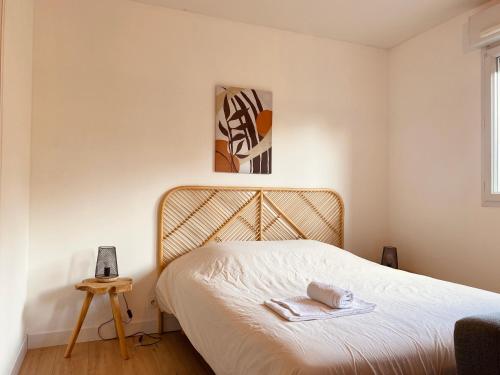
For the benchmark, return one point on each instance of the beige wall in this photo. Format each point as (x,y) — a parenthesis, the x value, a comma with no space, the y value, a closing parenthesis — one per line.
(436,218)
(14,176)
(123,110)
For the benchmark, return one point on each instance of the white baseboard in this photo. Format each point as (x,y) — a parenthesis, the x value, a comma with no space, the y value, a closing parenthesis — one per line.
(44,339)
(20,357)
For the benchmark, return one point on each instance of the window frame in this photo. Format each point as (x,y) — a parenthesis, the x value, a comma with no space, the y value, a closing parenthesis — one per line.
(490,88)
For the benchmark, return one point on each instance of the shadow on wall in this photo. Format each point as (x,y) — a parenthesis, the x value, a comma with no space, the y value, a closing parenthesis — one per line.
(65,306)
(66,301)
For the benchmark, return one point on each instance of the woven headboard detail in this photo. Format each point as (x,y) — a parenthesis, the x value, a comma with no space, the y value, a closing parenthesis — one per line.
(191,216)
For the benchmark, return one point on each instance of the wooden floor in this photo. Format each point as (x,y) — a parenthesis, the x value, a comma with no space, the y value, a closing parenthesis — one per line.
(173,355)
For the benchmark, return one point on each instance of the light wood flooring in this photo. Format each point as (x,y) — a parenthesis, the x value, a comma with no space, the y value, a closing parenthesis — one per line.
(173,355)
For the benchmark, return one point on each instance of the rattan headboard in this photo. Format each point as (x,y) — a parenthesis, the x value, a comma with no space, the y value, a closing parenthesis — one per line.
(191,216)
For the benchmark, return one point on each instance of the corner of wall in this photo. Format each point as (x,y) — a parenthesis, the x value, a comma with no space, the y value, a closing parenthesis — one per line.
(20,357)
(16,104)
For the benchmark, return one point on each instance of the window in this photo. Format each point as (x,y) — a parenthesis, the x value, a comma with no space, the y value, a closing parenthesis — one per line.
(491,127)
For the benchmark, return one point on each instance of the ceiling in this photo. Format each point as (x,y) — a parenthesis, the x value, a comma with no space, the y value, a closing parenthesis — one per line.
(378,23)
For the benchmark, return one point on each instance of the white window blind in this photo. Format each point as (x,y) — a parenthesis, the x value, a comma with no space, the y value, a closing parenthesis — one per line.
(484,27)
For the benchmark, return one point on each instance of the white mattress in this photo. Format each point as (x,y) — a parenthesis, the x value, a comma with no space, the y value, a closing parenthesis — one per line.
(216,292)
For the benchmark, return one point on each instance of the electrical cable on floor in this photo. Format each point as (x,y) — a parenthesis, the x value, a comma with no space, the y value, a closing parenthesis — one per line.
(140,334)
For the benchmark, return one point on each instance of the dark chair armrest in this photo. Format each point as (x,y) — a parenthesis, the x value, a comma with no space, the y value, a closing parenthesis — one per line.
(477,344)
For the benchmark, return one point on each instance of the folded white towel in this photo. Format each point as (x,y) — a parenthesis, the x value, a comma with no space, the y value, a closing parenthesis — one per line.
(330,295)
(297,309)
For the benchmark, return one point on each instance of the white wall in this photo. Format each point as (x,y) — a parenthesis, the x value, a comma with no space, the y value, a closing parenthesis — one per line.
(436,218)
(123,110)
(14,176)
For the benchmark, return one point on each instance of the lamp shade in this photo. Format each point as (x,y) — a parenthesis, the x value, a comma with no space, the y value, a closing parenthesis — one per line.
(390,257)
(106,268)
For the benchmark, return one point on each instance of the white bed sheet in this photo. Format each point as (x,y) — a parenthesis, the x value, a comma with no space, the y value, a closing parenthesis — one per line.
(217,294)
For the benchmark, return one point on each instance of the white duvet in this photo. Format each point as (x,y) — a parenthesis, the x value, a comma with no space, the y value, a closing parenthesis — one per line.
(217,294)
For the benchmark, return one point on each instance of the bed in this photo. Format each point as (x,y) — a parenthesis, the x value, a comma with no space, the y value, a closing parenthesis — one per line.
(219,261)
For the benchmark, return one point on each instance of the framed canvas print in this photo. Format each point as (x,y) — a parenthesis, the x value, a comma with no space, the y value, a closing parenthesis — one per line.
(243,130)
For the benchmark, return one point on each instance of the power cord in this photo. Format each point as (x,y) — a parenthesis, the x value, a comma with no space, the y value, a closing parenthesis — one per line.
(140,334)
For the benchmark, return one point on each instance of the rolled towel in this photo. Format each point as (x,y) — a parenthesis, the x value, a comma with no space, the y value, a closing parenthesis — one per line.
(330,295)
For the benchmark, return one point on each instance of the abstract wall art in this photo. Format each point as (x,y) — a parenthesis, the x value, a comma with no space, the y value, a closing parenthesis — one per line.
(243,130)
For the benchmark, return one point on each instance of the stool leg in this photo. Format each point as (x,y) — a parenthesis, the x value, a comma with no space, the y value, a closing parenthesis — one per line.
(81,318)
(115,306)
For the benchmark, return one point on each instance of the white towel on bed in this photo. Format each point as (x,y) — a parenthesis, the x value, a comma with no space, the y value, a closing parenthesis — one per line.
(297,309)
(330,295)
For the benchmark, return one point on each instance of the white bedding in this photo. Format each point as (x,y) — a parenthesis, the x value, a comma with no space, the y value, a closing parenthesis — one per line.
(217,294)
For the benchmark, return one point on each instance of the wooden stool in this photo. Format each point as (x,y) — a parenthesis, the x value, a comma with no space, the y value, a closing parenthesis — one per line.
(92,286)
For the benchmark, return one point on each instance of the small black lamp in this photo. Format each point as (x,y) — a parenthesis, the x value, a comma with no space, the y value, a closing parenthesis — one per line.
(390,257)
(106,268)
